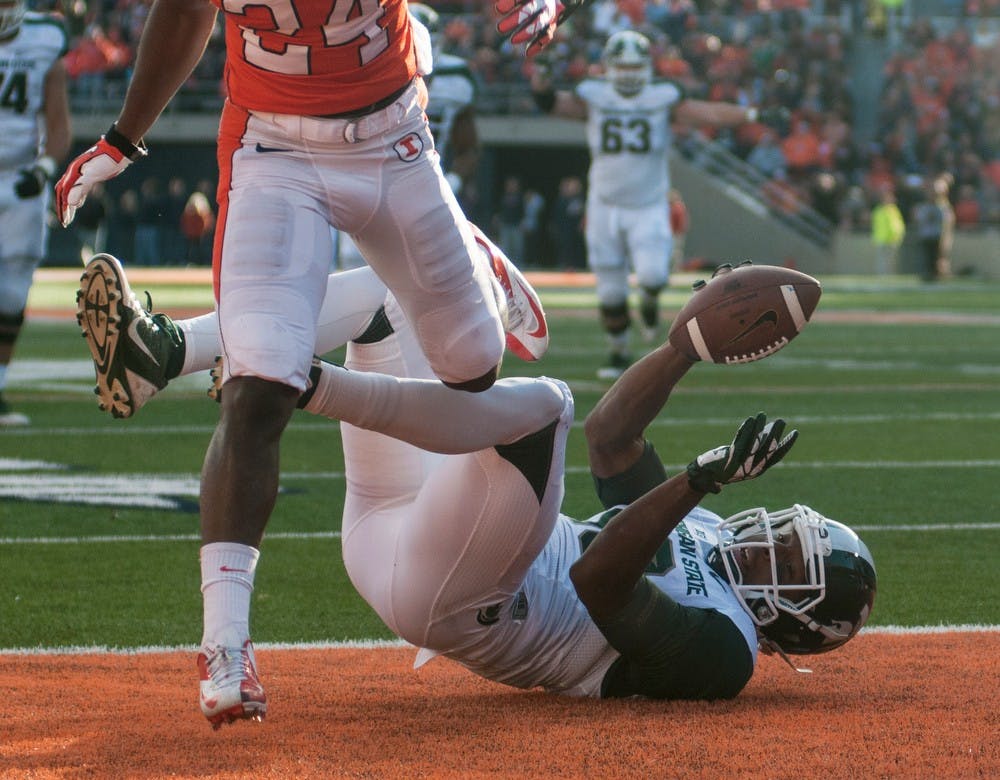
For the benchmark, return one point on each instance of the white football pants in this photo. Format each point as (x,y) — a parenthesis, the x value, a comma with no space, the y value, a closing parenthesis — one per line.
(429,539)
(285,181)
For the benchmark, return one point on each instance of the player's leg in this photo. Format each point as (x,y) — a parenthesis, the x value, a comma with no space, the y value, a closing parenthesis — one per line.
(157,348)
(389,387)
(650,244)
(427,256)
(22,236)
(608,261)
(271,265)
(420,244)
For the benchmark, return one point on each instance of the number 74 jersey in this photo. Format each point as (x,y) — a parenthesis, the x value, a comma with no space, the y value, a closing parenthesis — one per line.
(629,140)
(25,60)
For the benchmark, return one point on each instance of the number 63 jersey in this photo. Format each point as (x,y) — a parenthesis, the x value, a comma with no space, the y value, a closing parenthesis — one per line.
(629,140)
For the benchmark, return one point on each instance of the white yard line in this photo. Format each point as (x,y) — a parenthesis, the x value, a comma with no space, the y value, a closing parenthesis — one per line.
(381,644)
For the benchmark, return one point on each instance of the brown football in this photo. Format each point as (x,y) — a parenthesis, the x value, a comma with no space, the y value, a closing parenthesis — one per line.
(744,313)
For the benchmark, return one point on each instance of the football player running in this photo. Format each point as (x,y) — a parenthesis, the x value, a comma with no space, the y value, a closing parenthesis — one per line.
(629,136)
(323,126)
(35,126)
(452,530)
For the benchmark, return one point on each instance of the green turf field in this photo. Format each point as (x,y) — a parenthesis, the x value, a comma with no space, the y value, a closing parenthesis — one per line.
(900,437)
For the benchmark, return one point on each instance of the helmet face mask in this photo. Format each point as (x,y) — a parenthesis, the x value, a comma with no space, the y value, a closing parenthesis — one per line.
(11,14)
(831,593)
(627,62)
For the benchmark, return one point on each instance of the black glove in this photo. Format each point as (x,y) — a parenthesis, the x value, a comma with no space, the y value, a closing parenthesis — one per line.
(31,181)
(758,446)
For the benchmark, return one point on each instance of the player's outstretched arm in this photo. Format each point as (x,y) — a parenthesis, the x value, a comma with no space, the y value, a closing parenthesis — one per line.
(606,574)
(173,41)
(615,427)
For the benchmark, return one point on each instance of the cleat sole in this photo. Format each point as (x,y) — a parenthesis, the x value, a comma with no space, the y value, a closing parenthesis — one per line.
(98,318)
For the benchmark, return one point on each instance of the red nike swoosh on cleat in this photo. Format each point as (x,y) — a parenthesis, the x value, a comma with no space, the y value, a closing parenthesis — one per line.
(209,703)
(539,332)
(227,568)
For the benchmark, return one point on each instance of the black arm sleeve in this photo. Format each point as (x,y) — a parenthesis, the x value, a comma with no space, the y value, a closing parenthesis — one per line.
(669,651)
(633,483)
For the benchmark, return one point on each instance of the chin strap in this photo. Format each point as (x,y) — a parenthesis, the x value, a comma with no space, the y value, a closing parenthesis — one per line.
(771,648)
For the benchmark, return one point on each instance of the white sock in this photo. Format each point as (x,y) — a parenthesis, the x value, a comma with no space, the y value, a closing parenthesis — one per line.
(227,574)
(202,343)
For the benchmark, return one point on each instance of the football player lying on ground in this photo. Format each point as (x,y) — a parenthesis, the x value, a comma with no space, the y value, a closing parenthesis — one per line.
(452,532)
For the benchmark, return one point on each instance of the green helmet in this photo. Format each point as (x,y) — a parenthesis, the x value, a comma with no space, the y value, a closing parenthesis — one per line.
(813,616)
(627,62)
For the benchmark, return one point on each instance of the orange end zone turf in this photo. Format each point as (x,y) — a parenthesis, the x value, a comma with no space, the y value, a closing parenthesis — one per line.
(884,706)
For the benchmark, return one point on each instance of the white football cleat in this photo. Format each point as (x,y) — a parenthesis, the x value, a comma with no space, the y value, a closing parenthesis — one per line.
(230,687)
(527,330)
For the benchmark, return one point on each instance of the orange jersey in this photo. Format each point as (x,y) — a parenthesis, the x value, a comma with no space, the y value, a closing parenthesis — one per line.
(315,57)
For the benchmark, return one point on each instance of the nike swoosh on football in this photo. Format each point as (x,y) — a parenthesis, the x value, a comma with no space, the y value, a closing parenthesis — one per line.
(540,329)
(264,149)
(770,316)
(133,334)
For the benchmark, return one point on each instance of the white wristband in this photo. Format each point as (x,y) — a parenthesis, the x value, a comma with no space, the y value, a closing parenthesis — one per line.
(752,114)
(47,164)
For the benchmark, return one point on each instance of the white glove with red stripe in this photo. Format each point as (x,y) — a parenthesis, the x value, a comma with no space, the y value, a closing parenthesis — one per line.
(529,21)
(104,160)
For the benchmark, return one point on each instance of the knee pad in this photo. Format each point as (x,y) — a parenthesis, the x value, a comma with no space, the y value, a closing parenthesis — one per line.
(649,305)
(615,317)
(10,327)
(462,353)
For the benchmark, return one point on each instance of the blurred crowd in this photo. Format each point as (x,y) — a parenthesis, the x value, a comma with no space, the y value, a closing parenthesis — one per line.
(936,113)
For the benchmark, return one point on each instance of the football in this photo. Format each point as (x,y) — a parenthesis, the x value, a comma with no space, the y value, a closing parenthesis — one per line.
(744,313)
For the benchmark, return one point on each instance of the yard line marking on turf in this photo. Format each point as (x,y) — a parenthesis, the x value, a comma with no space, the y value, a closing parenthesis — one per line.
(110,538)
(324,426)
(306,535)
(179,492)
(380,644)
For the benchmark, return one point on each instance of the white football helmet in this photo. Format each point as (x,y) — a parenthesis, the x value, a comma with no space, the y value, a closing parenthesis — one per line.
(11,14)
(627,62)
(813,616)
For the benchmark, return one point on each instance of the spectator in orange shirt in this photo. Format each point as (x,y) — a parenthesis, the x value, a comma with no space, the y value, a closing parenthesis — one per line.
(802,149)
